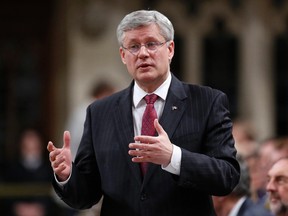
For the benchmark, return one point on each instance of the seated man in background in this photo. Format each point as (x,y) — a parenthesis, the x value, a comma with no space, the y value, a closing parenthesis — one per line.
(277,187)
(239,202)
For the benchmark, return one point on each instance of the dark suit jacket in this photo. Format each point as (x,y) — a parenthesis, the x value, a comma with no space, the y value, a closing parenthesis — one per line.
(249,208)
(245,209)
(200,126)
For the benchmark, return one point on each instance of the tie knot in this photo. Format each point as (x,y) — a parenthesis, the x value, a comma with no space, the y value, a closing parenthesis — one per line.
(150,99)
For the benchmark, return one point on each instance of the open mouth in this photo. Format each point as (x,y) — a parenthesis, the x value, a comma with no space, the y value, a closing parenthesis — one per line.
(144,65)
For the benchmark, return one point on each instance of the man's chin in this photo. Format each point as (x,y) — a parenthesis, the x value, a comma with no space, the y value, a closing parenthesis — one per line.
(147,78)
(277,207)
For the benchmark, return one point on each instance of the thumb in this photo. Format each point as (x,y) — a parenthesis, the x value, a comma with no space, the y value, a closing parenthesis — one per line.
(158,127)
(66,139)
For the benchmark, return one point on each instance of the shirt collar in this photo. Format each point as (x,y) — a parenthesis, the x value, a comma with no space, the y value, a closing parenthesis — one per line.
(237,206)
(161,91)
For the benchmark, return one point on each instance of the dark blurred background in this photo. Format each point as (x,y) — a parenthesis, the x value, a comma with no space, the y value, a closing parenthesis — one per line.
(53,52)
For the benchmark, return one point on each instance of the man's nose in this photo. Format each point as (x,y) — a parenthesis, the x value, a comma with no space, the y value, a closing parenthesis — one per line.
(143,51)
(270,186)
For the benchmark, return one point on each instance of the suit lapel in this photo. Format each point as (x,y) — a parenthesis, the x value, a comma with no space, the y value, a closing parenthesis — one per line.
(174,107)
(124,124)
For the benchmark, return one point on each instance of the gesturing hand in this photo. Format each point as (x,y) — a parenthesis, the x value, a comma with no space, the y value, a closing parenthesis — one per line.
(60,158)
(152,149)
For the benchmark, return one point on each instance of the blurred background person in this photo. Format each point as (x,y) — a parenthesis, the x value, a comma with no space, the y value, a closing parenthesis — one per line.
(75,122)
(31,164)
(245,138)
(270,150)
(247,147)
(277,187)
(239,203)
(245,141)
(31,173)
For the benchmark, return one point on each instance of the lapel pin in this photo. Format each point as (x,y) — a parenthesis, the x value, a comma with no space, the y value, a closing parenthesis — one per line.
(174,107)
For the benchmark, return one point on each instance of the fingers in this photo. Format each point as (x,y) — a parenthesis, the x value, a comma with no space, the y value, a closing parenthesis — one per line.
(59,169)
(50,146)
(58,161)
(53,151)
(66,141)
(144,139)
(154,149)
(60,158)
(139,146)
(139,155)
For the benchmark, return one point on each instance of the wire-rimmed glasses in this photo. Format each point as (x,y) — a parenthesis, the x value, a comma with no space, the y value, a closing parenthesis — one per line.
(151,46)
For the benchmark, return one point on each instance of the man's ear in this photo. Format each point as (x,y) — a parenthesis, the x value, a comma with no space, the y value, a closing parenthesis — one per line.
(122,54)
(171,48)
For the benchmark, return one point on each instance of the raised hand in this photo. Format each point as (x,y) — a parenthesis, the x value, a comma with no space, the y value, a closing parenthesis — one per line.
(60,158)
(152,149)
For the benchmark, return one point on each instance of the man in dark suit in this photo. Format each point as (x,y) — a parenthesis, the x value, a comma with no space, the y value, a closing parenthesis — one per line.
(190,157)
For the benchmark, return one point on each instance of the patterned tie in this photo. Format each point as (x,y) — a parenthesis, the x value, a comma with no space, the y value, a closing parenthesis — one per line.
(148,123)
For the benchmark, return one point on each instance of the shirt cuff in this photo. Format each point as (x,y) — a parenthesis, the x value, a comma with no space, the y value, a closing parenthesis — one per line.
(62,183)
(175,163)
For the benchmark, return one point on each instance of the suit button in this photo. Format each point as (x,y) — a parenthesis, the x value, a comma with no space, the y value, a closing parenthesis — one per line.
(143,197)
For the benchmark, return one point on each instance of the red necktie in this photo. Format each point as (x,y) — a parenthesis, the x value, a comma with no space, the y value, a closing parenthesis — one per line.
(148,128)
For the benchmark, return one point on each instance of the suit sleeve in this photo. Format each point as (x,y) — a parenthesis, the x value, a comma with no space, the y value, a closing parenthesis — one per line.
(213,169)
(84,186)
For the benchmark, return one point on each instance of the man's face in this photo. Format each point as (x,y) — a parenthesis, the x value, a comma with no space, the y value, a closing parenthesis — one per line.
(277,187)
(268,156)
(149,68)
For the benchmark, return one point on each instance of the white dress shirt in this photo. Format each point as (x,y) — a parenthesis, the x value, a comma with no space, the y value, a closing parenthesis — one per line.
(138,109)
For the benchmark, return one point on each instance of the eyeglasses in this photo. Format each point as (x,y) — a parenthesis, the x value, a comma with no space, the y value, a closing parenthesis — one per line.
(152,46)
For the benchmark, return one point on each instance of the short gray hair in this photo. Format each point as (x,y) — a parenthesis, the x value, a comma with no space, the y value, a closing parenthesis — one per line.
(141,18)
